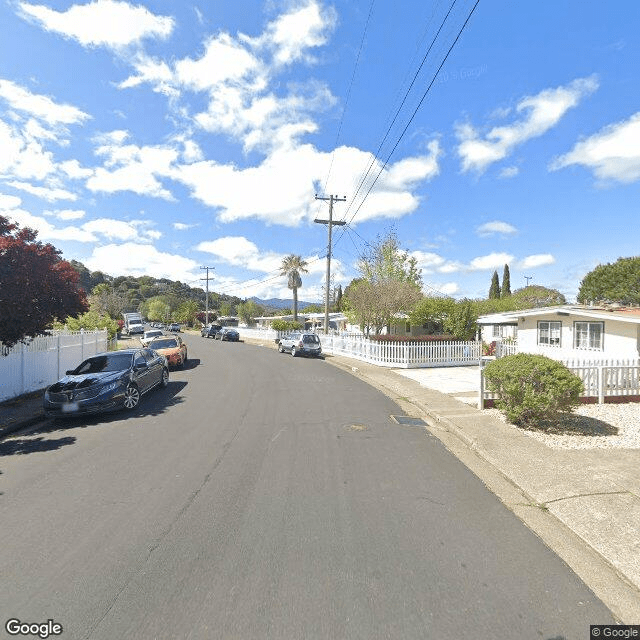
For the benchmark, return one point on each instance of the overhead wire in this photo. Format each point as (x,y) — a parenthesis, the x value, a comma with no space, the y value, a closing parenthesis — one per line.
(413,115)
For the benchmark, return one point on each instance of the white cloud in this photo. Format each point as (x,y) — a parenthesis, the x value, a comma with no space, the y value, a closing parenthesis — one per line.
(9,202)
(50,194)
(612,154)
(67,214)
(297,172)
(509,172)
(133,168)
(496,227)
(46,231)
(40,106)
(238,251)
(491,261)
(449,288)
(537,260)
(181,226)
(106,23)
(135,259)
(292,35)
(541,112)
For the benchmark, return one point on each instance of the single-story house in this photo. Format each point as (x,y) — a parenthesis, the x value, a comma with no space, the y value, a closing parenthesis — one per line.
(570,331)
(312,321)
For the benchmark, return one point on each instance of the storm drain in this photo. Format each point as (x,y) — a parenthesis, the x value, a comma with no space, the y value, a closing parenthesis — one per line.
(409,421)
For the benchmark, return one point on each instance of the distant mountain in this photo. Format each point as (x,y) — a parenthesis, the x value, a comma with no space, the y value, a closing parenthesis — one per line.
(279,303)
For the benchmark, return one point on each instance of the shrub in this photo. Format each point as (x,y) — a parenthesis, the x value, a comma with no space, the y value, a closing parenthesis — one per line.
(531,388)
(285,325)
(410,339)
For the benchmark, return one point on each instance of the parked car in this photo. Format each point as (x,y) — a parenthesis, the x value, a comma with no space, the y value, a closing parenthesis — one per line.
(228,333)
(210,331)
(174,326)
(172,348)
(305,343)
(106,382)
(149,336)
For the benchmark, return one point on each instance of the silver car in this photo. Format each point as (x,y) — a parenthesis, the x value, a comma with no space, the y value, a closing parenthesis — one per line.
(305,343)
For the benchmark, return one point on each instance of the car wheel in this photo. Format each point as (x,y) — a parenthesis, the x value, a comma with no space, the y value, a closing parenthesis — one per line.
(165,378)
(293,352)
(280,348)
(131,397)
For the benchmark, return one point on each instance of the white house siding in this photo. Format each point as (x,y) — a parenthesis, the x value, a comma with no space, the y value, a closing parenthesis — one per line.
(620,339)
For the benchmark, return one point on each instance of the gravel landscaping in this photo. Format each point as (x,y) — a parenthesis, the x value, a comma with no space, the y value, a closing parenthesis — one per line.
(591,426)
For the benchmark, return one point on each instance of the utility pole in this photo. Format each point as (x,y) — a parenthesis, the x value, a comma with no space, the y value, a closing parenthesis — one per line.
(527,278)
(330,222)
(207,296)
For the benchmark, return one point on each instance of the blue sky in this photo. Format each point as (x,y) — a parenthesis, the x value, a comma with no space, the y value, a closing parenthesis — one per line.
(159,137)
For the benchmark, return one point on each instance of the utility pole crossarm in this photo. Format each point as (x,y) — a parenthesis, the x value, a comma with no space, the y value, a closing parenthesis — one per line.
(331,223)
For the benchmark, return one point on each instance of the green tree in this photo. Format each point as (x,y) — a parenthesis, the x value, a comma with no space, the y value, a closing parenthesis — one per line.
(494,290)
(187,312)
(156,309)
(612,282)
(433,312)
(89,321)
(390,284)
(292,266)
(248,311)
(505,292)
(537,296)
(461,322)
(226,309)
(106,301)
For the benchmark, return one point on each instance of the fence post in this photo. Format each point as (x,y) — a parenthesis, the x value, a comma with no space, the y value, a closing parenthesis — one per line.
(58,355)
(481,396)
(600,384)
(406,355)
(22,375)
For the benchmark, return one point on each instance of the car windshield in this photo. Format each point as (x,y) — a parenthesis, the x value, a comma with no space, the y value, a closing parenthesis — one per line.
(104,363)
(150,334)
(310,339)
(164,344)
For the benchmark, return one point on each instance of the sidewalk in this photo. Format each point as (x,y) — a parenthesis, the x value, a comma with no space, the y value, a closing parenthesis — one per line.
(584,504)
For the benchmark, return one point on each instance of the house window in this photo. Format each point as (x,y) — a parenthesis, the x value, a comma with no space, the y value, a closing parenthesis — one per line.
(588,335)
(549,333)
(497,331)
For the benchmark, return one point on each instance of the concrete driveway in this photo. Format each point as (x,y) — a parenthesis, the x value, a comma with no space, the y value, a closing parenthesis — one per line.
(463,383)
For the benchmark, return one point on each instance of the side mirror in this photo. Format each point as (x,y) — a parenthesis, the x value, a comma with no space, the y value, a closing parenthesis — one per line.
(69,373)
(139,366)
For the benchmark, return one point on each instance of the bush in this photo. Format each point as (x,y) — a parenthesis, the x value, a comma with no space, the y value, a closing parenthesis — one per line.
(89,321)
(531,388)
(411,339)
(286,325)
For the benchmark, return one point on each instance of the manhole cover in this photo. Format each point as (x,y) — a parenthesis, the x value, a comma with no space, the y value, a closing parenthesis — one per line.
(407,420)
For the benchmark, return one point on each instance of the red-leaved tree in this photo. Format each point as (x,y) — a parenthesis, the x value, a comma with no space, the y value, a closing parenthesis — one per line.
(36,285)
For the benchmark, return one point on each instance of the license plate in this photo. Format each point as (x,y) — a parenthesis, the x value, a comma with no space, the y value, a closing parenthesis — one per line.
(69,407)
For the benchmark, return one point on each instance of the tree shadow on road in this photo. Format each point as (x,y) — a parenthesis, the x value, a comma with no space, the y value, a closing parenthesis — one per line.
(39,439)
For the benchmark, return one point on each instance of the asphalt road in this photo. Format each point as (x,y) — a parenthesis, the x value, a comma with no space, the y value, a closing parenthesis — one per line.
(265,496)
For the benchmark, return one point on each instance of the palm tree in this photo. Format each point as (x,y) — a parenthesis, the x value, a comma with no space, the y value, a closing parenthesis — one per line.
(292,266)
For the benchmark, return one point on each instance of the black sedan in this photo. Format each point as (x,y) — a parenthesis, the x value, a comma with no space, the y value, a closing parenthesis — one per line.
(228,333)
(107,382)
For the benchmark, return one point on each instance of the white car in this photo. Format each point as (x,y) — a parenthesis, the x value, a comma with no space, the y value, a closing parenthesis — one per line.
(150,335)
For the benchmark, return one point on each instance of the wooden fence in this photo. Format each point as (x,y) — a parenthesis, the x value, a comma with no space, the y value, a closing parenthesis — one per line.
(604,381)
(42,361)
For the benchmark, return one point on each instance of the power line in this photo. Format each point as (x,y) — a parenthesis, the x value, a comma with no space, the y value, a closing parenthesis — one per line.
(424,95)
(399,109)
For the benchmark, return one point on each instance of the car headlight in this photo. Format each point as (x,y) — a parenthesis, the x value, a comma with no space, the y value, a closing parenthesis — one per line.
(112,386)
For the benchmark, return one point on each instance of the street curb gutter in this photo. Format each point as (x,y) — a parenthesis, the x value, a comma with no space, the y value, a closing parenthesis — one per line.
(610,585)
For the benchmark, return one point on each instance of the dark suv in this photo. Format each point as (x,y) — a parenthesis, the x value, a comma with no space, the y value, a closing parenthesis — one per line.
(211,331)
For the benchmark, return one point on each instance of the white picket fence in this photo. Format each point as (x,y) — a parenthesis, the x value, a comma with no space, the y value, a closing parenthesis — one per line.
(403,355)
(602,379)
(42,361)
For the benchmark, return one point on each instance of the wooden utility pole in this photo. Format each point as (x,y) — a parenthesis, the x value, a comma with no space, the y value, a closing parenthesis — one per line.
(206,304)
(331,223)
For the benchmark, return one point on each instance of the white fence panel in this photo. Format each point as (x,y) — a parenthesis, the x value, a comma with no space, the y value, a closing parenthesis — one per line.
(29,367)
(601,378)
(403,354)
